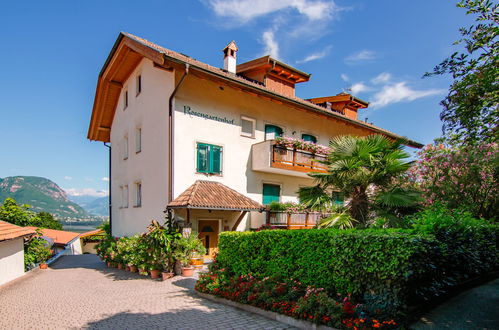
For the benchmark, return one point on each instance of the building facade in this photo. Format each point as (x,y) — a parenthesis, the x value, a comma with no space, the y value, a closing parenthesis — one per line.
(175,123)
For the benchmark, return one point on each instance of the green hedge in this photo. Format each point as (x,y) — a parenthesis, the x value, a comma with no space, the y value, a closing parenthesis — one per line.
(359,262)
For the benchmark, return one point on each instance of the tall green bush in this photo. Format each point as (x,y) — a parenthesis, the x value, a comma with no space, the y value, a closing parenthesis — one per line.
(377,263)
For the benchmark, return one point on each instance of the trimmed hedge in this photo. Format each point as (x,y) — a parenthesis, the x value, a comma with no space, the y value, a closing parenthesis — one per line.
(377,262)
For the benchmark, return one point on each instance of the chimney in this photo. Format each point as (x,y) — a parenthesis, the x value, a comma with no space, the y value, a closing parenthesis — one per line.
(230,57)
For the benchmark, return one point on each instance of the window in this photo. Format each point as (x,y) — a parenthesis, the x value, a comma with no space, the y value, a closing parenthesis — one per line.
(138,139)
(139,84)
(338,197)
(125,147)
(271,193)
(138,194)
(248,127)
(125,99)
(209,158)
(309,138)
(124,197)
(272,131)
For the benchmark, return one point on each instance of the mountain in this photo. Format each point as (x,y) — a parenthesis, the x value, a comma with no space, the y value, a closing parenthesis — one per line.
(93,205)
(42,194)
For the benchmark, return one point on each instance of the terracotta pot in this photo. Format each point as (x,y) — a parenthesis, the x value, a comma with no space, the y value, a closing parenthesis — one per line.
(120,266)
(197,261)
(43,266)
(127,268)
(187,271)
(142,271)
(133,269)
(155,273)
(167,275)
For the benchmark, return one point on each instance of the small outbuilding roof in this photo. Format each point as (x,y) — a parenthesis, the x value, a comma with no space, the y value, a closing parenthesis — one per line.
(59,237)
(10,231)
(215,196)
(92,233)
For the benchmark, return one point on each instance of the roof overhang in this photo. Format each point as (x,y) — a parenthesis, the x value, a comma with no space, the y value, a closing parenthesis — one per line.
(129,50)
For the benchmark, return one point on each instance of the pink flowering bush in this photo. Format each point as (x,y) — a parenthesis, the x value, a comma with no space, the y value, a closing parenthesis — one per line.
(460,177)
(299,144)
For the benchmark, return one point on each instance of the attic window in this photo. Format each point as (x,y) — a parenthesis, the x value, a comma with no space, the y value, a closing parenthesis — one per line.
(125,100)
(139,84)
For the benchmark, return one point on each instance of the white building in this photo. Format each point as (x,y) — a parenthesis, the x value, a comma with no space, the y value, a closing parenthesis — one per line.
(172,120)
(12,251)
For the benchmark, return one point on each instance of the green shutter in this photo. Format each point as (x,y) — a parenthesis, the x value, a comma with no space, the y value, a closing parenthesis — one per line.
(202,158)
(215,159)
(309,138)
(338,197)
(273,129)
(271,193)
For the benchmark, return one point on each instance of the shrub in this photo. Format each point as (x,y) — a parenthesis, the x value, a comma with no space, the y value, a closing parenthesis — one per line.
(379,262)
(36,251)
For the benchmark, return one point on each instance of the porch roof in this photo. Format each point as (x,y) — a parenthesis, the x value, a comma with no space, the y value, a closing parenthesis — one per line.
(214,196)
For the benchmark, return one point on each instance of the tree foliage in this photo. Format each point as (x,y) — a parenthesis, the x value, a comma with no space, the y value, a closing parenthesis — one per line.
(470,110)
(21,215)
(360,167)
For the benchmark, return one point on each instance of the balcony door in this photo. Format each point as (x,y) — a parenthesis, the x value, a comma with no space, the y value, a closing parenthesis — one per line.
(271,193)
(272,131)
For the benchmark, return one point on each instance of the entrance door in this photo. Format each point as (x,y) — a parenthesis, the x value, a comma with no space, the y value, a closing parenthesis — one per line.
(208,233)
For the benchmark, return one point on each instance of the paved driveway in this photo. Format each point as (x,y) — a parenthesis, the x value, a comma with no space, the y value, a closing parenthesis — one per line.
(80,292)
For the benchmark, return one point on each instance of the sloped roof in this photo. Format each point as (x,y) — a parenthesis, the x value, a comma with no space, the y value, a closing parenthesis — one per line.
(10,231)
(130,49)
(92,233)
(213,195)
(60,237)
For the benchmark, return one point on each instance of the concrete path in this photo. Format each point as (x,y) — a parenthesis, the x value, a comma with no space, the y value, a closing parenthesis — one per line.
(474,309)
(80,292)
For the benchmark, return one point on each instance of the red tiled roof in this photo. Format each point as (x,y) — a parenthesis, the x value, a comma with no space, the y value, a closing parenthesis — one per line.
(60,237)
(10,231)
(213,195)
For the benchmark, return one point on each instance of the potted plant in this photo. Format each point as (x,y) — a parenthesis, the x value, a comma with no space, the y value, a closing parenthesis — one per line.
(43,265)
(184,249)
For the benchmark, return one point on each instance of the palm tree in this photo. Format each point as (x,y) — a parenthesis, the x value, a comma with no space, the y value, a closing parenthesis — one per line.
(360,167)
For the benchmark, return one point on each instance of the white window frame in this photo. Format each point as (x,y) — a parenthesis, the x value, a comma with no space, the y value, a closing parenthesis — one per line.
(138,194)
(253,120)
(125,147)
(138,139)
(138,84)
(124,196)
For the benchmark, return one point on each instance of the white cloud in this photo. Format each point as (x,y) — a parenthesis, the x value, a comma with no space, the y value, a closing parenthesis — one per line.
(361,56)
(400,92)
(316,56)
(68,178)
(86,192)
(105,179)
(89,179)
(271,45)
(383,77)
(344,77)
(247,10)
(359,88)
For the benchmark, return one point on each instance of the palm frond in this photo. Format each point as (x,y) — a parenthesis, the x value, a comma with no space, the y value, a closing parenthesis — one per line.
(337,220)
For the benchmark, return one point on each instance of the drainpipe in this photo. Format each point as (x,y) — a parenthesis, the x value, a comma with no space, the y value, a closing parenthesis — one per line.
(110,204)
(170,131)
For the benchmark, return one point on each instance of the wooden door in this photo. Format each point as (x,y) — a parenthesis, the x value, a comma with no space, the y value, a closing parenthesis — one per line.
(208,233)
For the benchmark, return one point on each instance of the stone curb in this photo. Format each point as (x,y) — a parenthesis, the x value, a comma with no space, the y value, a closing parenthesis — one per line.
(300,324)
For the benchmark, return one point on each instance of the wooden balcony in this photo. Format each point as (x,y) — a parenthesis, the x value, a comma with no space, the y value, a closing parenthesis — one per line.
(269,157)
(298,220)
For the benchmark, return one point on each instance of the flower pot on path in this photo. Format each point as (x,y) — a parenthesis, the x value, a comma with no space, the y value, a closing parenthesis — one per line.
(142,271)
(187,271)
(120,266)
(133,269)
(155,273)
(167,275)
(43,266)
(127,268)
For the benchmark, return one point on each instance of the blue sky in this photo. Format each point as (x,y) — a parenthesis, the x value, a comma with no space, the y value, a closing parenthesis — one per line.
(52,51)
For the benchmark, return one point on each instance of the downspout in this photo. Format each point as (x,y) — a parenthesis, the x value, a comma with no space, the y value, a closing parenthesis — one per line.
(171,135)
(110,203)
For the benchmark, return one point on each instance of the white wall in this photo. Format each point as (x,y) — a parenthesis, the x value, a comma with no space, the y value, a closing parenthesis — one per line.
(11,259)
(149,111)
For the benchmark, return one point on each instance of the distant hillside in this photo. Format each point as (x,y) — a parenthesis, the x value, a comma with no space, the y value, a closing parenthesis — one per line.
(42,194)
(93,205)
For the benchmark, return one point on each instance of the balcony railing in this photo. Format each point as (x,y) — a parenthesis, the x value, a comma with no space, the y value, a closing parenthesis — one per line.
(296,220)
(297,160)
